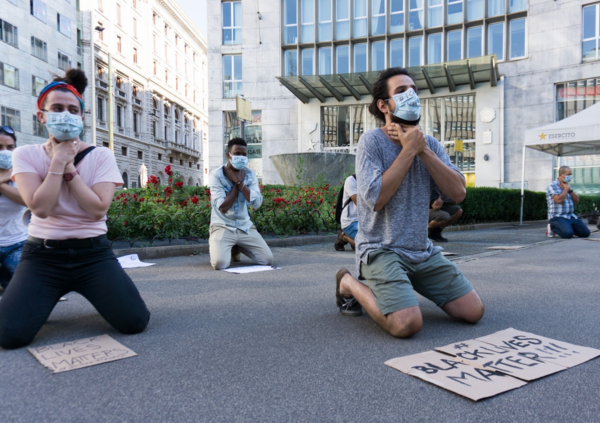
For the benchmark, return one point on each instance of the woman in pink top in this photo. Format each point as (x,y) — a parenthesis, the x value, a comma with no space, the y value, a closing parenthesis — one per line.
(67,249)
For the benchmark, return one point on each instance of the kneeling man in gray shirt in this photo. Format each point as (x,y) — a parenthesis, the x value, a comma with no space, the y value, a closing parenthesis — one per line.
(397,167)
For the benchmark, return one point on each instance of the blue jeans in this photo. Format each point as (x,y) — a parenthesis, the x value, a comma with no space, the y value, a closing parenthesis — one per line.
(351,230)
(566,228)
(9,258)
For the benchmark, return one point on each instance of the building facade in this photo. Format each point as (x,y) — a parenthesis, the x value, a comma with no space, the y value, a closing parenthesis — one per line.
(38,39)
(158,71)
(487,70)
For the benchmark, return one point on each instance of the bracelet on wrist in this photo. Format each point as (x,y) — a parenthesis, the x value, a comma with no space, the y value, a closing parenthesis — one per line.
(55,173)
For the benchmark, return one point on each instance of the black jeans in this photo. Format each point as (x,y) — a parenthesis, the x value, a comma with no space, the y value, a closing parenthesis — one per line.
(44,275)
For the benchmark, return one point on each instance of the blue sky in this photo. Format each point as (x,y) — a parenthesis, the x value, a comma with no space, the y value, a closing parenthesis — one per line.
(196,10)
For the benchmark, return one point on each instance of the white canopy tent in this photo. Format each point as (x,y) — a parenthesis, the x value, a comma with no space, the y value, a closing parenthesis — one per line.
(576,135)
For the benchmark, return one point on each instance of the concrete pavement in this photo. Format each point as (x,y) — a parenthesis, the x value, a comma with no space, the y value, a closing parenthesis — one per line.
(272,346)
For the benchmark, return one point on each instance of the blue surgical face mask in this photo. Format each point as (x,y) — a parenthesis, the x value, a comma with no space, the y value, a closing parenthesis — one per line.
(568,179)
(5,159)
(239,162)
(64,126)
(408,107)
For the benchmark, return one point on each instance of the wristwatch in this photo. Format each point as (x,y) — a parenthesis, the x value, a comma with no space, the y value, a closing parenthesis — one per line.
(69,176)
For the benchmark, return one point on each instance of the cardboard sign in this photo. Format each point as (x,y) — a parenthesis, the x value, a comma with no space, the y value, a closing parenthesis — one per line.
(132,261)
(487,366)
(81,353)
(525,365)
(546,349)
(448,373)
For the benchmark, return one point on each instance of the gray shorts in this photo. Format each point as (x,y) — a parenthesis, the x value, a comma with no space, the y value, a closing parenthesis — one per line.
(393,281)
(443,213)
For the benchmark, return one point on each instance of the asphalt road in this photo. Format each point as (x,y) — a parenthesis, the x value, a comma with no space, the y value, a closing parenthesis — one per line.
(272,347)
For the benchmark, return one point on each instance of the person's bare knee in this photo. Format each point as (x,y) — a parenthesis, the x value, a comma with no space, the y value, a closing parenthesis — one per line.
(405,323)
(469,308)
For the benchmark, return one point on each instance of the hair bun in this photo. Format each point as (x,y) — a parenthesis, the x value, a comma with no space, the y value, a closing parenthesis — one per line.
(76,78)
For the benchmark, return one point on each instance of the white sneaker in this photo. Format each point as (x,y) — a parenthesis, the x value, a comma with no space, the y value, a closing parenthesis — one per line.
(549,232)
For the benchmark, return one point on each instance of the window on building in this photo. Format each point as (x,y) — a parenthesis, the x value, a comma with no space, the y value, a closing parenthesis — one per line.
(100,109)
(435,15)
(378,17)
(119,82)
(308,61)
(176,61)
(195,100)
(342,59)
(9,33)
(454,12)
(496,40)
(123,151)
(39,49)
(135,4)
(118,14)
(177,83)
(154,43)
(9,76)
(159,157)
(186,90)
(415,51)
(496,7)
(101,5)
(517,39)
(232,22)
(360,57)
(253,136)
(517,5)
(140,155)
(454,45)
(291,62)
(396,16)
(100,33)
(37,9)
(135,34)
(119,116)
(37,84)
(474,42)
(325,20)
(154,67)
(64,61)
(136,123)
(166,30)
(591,33)
(360,18)
(290,22)
(325,61)
(119,44)
(474,10)
(308,21)
(166,52)
(232,76)
(180,162)
(11,117)
(415,15)
(397,53)
(135,55)
(342,126)
(166,76)
(39,129)
(154,18)
(63,25)
(378,56)
(434,48)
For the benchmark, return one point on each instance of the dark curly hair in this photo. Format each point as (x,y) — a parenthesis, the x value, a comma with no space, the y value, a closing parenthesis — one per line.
(74,77)
(380,90)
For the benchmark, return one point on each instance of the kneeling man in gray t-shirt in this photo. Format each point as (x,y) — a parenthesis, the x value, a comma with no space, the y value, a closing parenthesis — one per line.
(397,167)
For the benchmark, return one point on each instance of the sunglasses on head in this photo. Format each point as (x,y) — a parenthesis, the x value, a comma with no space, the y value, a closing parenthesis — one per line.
(7,129)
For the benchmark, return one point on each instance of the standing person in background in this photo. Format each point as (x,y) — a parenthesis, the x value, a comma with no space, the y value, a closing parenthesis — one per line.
(561,207)
(13,233)
(67,249)
(234,187)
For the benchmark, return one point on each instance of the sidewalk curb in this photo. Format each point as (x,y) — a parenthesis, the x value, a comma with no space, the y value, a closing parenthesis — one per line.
(148,253)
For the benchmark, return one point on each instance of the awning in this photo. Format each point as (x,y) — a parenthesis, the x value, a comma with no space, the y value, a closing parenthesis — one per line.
(430,77)
(574,136)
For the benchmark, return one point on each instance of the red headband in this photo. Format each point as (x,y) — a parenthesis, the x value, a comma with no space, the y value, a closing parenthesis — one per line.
(53,86)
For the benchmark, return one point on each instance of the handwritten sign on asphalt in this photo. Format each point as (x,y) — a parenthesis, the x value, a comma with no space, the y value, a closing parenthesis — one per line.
(490,365)
(81,353)
(461,378)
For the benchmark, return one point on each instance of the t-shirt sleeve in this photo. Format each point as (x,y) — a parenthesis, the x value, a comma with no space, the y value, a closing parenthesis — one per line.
(553,189)
(369,171)
(440,151)
(106,168)
(23,161)
(350,187)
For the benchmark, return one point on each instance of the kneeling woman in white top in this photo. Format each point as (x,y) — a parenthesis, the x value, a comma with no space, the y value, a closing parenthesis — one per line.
(67,249)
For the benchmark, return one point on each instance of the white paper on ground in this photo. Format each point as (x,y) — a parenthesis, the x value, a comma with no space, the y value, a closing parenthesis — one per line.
(131,261)
(80,353)
(592,239)
(505,247)
(445,253)
(250,269)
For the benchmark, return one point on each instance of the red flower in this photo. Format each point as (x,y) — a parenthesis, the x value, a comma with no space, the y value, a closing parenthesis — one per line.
(208,192)
(168,191)
(184,203)
(142,200)
(179,184)
(321,201)
(194,199)
(125,201)
(125,223)
(278,191)
(168,170)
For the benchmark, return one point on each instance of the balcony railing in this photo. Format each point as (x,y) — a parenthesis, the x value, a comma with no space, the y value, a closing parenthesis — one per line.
(101,84)
(121,93)
(137,101)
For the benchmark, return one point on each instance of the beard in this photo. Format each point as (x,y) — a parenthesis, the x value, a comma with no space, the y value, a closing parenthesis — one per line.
(396,119)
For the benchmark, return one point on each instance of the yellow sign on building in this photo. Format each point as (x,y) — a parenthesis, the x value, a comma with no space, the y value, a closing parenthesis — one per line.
(458,146)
